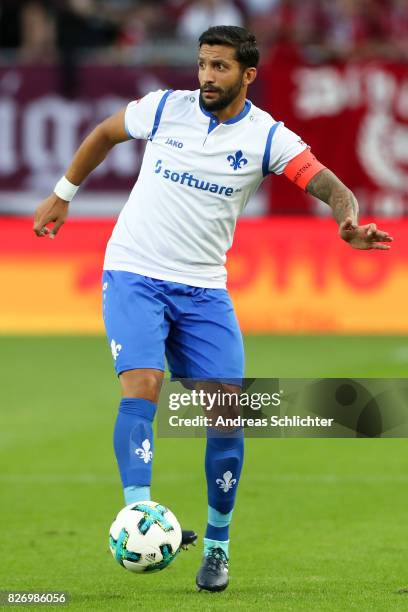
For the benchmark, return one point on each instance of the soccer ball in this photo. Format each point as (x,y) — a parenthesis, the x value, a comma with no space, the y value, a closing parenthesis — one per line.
(145,537)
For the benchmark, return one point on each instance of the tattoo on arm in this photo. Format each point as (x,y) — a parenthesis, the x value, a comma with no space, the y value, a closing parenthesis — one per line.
(327,187)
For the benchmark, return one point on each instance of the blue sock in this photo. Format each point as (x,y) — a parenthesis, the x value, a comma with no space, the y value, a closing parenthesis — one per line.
(223,463)
(133,444)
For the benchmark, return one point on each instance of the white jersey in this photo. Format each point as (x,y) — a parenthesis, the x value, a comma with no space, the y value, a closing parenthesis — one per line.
(196,178)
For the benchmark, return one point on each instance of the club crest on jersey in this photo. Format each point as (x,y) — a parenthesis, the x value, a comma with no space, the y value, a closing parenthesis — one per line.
(174,143)
(237,160)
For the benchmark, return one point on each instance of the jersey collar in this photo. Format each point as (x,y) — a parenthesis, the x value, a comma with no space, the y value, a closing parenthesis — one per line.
(214,119)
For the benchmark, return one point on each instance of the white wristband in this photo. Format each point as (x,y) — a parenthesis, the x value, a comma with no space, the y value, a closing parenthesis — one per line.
(65,190)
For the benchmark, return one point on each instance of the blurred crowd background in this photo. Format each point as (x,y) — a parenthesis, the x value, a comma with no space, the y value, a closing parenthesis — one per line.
(334,71)
(33,31)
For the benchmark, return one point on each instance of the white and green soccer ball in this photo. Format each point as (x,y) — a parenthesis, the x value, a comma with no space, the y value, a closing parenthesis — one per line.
(145,537)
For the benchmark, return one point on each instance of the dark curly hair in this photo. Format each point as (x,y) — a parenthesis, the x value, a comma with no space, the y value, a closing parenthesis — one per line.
(244,43)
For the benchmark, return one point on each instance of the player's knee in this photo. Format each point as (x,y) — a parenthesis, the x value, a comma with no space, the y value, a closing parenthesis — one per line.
(228,405)
(145,384)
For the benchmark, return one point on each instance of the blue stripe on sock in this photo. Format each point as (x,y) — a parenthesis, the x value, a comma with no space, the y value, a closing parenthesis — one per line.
(217,519)
(208,544)
(217,533)
(136,494)
(218,524)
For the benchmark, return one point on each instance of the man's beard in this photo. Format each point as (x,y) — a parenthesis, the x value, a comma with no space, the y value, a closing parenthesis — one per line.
(226,96)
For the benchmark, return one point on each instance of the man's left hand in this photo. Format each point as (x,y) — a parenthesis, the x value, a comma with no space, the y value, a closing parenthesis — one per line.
(364,236)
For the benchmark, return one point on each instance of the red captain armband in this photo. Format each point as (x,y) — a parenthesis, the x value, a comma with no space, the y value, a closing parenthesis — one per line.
(302,168)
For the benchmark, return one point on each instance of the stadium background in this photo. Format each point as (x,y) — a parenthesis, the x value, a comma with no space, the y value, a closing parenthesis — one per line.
(336,73)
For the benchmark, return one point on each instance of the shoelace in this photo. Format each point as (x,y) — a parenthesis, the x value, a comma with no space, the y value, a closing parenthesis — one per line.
(215,558)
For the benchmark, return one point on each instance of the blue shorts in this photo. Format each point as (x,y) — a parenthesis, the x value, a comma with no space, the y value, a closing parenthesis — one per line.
(195,328)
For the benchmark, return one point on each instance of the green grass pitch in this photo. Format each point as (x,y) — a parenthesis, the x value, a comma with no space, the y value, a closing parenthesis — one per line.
(319,524)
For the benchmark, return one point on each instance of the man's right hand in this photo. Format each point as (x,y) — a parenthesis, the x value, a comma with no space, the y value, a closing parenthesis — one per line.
(51,210)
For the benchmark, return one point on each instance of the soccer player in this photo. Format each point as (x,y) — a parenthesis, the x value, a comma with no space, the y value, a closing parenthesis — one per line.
(164,280)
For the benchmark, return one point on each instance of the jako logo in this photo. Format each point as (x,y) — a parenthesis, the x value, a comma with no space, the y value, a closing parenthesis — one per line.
(237,160)
(189,180)
(174,143)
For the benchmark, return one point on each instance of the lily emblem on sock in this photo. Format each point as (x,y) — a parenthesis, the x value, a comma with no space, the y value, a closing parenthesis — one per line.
(226,482)
(145,453)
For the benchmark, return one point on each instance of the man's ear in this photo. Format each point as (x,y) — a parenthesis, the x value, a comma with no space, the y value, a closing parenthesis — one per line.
(249,75)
